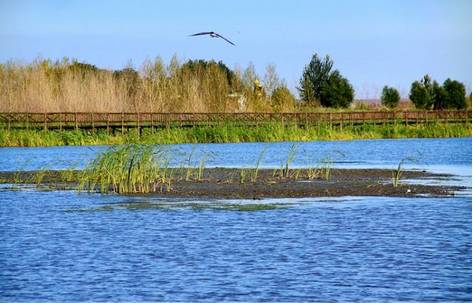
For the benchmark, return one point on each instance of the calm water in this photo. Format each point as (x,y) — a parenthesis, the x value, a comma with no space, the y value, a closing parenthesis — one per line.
(61,246)
(426,153)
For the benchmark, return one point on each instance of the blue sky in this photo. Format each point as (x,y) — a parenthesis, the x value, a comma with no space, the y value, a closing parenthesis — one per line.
(372,42)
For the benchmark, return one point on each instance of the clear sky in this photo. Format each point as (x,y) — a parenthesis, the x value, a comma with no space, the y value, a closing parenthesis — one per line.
(372,42)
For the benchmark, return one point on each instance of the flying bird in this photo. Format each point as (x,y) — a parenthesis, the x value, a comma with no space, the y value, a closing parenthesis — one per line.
(213,35)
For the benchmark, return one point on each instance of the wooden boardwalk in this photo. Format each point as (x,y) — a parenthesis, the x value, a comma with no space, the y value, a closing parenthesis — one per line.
(82,120)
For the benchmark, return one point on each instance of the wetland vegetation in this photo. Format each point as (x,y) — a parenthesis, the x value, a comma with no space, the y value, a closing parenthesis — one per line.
(228,132)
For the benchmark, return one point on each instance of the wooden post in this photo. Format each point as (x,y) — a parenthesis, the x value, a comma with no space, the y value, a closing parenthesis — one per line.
(138,118)
(92,120)
(45,122)
(60,121)
(330,117)
(108,123)
(75,121)
(27,121)
(123,126)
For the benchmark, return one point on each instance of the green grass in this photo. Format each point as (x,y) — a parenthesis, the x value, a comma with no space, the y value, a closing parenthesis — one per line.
(128,169)
(397,173)
(220,133)
(291,155)
(254,177)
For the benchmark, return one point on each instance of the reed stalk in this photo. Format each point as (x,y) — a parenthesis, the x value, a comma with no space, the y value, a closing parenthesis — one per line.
(397,173)
(290,157)
(254,177)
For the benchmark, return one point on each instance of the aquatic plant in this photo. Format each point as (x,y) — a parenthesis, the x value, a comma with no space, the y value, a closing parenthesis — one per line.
(127,169)
(290,157)
(69,174)
(397,173)
(243,174)
(312,171)
(201,166)
(258,162)
(325,167)
(189,168)
(39,175)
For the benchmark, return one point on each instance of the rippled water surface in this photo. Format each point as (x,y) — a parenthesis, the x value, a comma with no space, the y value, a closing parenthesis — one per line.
(62,246)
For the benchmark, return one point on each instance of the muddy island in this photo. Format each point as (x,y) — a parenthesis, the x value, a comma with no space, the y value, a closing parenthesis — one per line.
(236,183)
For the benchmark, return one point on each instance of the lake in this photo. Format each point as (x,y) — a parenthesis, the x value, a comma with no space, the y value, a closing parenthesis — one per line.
(64,246)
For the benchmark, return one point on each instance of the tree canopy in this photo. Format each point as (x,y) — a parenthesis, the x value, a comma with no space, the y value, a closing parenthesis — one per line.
(390,97)
(428,94)
(320,84)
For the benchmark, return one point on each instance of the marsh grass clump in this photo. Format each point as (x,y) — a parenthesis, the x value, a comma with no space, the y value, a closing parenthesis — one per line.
(291,155)
(397,173)
(39,176)
(325,167)
(201,167)
(128,168)
(196,172)
(188,168)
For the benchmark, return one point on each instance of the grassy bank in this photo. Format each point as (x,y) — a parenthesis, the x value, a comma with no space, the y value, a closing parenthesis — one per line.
(232,133)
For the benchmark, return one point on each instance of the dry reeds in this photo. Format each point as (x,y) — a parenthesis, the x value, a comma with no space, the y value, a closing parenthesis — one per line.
(71,86)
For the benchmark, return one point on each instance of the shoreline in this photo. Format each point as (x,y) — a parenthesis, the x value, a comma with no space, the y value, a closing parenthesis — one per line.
(227,183)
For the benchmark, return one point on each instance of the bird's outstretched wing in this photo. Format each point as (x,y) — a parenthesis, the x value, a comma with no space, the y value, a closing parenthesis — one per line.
(202,33)
(225,39)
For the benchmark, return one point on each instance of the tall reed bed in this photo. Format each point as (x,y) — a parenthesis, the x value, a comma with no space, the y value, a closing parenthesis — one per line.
(193,86)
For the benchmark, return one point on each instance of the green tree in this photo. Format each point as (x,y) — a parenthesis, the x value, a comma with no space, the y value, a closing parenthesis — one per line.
(314,78)
(336,91)
(320,84)
(422,93)
(454,94)
(282,100)
(439,96)
(426,94)
(390,97)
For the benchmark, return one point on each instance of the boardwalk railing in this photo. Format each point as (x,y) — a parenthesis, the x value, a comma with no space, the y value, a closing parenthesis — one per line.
(127,120)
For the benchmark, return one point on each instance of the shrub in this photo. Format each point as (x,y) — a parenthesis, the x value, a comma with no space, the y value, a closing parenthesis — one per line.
(390,97)
(283,100)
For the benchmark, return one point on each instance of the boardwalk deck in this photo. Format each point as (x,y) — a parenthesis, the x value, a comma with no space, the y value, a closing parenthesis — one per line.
(82,120)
